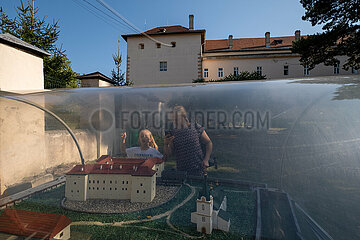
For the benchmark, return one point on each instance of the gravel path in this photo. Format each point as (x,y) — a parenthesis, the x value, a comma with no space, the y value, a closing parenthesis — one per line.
(165,214)
(163,195)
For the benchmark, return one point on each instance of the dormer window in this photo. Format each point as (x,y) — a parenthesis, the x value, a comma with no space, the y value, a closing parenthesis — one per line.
(162,30)
(173,44)
(141,46)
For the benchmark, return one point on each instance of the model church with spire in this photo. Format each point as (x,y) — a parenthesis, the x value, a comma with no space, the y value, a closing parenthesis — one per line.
(210,213)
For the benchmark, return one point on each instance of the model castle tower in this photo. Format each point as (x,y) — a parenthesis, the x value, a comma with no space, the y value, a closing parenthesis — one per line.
(209,214)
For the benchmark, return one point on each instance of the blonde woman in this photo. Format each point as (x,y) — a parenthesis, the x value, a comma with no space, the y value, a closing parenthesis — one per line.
(184,141)
(147,148)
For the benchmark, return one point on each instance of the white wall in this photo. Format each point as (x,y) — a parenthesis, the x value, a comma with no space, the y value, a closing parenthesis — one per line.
(20,70)
(273,67)
(182,60)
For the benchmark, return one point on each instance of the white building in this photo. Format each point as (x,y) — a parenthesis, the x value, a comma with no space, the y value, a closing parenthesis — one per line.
(21,65)
(193,57)
(151,62)
(114,178)
(210,214)
(95,79)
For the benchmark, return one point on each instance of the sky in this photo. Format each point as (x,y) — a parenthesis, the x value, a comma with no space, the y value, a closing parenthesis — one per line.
(90,37)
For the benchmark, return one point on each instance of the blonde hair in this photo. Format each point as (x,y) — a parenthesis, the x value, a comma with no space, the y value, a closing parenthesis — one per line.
(152,140)
(181,110)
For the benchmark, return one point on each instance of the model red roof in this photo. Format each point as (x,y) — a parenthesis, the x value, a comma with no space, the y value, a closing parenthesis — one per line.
(26,223)
(108,165)
(249,43)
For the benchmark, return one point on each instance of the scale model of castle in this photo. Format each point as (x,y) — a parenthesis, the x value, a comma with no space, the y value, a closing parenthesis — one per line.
(114,178)
(210,213)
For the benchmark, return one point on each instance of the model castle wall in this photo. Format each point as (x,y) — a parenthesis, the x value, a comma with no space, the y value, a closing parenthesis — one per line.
(114,178)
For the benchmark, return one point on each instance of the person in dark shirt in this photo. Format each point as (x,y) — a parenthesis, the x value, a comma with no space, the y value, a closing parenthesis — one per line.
(184,141)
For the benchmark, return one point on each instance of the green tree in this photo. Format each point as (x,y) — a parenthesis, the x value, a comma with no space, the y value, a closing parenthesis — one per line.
(30,28)
(340,20)
(116,75)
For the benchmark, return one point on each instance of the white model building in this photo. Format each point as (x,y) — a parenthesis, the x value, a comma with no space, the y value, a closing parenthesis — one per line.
(210,214)
(114,178)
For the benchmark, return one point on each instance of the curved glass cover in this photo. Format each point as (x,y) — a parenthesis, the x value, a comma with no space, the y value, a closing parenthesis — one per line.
(285,154)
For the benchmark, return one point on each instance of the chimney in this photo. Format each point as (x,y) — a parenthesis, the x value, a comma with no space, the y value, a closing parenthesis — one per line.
(111,167)
(191,22)
(82,169)
(230,41)
(297,35)
(120,166)
(100,166)
(267,39)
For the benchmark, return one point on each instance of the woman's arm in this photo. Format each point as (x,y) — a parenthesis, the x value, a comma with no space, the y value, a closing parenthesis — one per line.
(122,144)
(207,141)
(168,146)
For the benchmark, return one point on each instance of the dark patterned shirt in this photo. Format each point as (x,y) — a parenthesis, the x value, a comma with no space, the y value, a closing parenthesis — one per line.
(187,149)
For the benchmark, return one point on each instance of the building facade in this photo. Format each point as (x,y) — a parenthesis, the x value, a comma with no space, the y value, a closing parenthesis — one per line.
(165,55)
(114,178)
(95,79)
(268,56)
(21,65)
(191,57)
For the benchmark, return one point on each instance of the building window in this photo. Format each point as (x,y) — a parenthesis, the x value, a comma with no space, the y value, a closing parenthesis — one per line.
(158,45)
(61,234)
(202,207)
(236,71)
(203,219)
(336,68)
(206,72)
(306,70)
(104,181)
(137,191)
(103,188)
(115,189)
(123,182)
(163,66)
(173,44)
(72,191)
(77,190)
(74,182)
(141,184)
(98,181)
(126,189)
(97,188)
(127,182)
(110,182)
(286,70)
(259,70)
(89,188)
(110,189)
(141,46)
(354,71)
(89,181)
(93,181)
(144,191)
(220,72)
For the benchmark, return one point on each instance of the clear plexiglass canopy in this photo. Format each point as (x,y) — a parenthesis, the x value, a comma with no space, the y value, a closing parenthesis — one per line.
(291,148)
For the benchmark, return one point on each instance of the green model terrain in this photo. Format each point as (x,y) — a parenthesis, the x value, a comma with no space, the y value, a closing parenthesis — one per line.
(241,205)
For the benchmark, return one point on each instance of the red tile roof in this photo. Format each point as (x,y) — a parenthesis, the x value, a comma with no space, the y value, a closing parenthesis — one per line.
(176,29)
(26,223)
(108,165)
(249,43)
